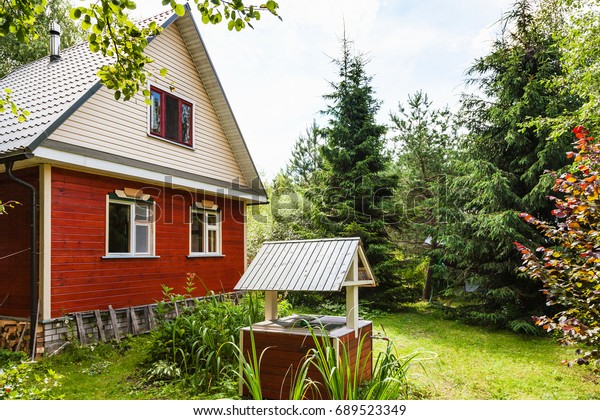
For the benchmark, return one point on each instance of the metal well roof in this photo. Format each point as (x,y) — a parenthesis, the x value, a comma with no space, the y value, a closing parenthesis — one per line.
(302,265)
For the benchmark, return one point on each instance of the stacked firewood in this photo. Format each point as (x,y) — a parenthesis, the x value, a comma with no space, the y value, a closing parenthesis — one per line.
(14,335)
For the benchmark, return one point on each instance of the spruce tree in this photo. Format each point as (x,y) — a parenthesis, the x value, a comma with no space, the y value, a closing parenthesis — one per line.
(357,184)
(501,170)
(306,161)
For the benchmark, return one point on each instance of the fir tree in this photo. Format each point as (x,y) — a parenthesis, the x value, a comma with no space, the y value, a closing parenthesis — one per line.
(356,186)
(306,161)
(501,170)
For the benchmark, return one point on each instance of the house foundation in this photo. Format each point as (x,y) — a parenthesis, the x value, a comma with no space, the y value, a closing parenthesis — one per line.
(90,326)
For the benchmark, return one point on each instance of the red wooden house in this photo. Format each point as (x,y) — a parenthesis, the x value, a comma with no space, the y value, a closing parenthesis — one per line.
(130,196)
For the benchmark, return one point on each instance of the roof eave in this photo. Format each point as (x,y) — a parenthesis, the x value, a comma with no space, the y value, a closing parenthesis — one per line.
(254,178)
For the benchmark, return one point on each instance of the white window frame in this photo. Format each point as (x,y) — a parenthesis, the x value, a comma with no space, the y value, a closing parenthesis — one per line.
(206,228)
(151,222)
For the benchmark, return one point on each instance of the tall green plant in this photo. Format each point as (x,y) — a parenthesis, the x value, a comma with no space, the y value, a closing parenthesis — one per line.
(249,370)
(193,345)
(339,378)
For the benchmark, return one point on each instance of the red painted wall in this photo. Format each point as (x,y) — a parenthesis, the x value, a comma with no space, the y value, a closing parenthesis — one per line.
(82,280)
(14,238)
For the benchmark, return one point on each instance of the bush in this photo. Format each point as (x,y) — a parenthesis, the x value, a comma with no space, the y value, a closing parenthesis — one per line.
(196,345)
(22,381)
(8,357)
(569,265)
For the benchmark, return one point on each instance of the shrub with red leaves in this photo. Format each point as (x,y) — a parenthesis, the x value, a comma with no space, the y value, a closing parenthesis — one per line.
(569,266)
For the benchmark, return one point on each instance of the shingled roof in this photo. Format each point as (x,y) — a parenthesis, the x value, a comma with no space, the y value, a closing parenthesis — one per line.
(52,91)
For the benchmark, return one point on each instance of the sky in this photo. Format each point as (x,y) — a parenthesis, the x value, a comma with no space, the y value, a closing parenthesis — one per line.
(275,76)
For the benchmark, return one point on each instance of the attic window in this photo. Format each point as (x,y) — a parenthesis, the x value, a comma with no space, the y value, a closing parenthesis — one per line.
(170,117)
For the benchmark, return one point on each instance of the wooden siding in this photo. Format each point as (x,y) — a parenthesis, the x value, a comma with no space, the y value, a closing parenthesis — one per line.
(14,234)
(284,352)
(120,128)
(82,280)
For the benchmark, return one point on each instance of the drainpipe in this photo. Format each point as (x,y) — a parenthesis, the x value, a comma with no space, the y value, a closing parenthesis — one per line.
(33,260)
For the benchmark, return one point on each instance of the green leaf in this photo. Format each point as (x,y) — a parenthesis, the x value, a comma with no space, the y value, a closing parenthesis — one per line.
(75,13)
(163,72)
(231,24)
(117,94)
(180,10)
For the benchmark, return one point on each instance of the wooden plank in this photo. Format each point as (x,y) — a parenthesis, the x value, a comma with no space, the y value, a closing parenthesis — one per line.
(80,328)
(151,318)
(147,318)
(113,321)
(100,325)
(128,320)
(135,330)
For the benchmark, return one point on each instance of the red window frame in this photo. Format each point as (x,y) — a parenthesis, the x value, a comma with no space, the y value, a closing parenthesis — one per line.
(163,118)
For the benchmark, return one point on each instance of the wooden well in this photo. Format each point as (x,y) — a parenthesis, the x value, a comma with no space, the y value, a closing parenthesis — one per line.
(287,347)
(314,265)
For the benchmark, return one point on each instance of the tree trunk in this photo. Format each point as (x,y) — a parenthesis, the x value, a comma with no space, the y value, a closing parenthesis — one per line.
(428,282)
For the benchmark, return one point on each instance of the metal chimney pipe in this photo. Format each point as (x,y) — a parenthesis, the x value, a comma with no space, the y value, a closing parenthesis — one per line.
(54,41)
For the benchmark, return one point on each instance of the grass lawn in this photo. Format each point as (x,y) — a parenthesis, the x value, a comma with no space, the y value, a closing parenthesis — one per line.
(454,361)
(457,361)
(114,372)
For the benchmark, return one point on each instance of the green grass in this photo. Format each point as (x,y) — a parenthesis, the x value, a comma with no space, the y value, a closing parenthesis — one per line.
(458,361)
(115,372)
(469,363)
